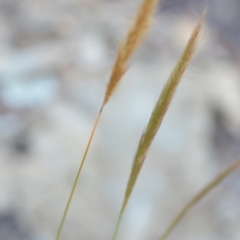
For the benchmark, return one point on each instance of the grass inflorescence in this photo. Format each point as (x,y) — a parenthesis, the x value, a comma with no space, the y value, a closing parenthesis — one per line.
(126,49)
(157,116)
(134,37)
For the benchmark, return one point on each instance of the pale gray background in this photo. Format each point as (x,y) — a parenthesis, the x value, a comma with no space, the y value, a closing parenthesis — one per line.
(55,60)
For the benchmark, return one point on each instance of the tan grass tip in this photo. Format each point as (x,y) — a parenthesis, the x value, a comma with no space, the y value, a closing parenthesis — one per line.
(134,37)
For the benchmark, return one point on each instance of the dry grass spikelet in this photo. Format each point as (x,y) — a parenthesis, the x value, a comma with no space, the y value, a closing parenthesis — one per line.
(161,107)
(158,115)
(128,47)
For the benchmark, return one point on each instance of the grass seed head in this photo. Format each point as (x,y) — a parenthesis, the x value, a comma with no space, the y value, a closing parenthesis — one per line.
(161,109)
(128,47)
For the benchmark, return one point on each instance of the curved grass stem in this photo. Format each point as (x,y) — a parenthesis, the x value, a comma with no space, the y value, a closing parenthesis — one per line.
(198,197)
(77,176)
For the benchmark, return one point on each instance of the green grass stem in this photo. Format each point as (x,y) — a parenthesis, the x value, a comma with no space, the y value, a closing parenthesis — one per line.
(198,197)
(77,177)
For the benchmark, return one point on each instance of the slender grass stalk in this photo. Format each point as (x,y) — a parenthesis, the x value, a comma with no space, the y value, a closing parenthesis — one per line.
(118,224)
(134,37)
(157,117)
(198,197)
(77,177)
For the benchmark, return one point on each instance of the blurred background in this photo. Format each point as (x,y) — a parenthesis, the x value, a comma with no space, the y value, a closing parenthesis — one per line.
(55,61)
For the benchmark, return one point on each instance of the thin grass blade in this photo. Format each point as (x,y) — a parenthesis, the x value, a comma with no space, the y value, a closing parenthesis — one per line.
(199,197)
